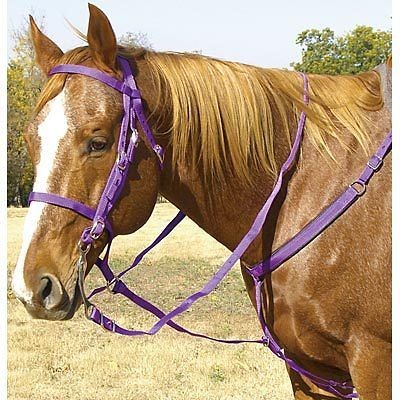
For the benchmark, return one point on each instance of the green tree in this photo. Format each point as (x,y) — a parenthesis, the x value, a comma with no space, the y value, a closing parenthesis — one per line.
(24,81)
(139,39)
(359,50)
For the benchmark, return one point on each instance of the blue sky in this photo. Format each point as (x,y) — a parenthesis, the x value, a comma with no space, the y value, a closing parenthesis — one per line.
(255,32)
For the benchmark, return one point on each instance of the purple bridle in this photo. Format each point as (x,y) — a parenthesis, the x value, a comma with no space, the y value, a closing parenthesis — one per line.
(133,112)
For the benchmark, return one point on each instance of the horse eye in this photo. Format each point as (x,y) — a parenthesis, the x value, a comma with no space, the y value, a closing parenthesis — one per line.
(97,144)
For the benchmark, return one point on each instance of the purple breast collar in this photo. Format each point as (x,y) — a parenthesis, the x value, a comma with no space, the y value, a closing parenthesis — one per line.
(133,111)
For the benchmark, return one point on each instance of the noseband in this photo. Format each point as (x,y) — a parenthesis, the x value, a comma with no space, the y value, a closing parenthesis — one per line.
(133,113)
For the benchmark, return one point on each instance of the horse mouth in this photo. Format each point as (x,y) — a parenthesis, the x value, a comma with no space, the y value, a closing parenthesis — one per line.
(74,304)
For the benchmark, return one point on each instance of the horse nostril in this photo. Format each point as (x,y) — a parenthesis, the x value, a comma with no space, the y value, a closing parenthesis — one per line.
(50,291)
(46,289)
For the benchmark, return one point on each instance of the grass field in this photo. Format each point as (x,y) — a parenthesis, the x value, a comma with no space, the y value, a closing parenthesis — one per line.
(80,361)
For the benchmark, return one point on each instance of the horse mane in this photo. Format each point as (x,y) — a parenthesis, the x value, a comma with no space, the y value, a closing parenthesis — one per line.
(225,115)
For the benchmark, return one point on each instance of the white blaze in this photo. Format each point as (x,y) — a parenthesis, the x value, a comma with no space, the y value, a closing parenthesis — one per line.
(52,129)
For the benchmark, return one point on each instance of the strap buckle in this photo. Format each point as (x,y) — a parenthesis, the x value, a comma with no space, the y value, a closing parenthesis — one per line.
(97,228)
(159,153)
(265,341)
(122,160)
(111,322)
(112,282)
(375,162)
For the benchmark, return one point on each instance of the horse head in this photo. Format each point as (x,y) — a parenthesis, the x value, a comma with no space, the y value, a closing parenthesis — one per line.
(72,141)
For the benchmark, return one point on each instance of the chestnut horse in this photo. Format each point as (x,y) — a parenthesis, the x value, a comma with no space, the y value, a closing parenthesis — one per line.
(226,129)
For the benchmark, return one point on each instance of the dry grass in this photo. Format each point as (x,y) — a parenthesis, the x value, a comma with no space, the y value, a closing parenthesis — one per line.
(78,360)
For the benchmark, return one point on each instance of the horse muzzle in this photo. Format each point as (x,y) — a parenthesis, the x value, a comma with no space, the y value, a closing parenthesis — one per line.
(50,300)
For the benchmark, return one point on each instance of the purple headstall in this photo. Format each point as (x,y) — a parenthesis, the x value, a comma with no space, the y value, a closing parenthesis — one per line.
(133,111)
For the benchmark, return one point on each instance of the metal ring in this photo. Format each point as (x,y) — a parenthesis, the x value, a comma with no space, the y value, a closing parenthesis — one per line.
(83,247)
(89,307)
(359,186)
(159,152)
(112,282)
(266,341)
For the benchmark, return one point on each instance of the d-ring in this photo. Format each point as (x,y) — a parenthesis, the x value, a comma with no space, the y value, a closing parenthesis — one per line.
(359,186)
(112,282)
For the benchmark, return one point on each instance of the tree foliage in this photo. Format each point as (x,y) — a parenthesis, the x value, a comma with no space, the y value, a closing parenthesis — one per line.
(139,39)
(360,50)
(24,81)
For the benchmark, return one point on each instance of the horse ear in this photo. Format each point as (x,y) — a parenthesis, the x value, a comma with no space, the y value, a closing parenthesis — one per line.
(389,61)
(47,53)
(101,39)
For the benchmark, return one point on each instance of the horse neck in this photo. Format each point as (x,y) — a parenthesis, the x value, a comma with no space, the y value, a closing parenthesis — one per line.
(225,212)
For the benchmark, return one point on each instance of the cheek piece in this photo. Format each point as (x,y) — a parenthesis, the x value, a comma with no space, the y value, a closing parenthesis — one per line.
(133,114)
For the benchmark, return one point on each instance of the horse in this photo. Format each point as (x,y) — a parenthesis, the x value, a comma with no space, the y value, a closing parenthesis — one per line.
(226,129)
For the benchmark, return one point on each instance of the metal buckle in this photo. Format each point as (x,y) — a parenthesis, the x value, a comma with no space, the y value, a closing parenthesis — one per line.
(95,225)
(377,165)
(103,326)
(266,341)
(121,157)
(112,282)
(159,152)
(135,137)
(359,187)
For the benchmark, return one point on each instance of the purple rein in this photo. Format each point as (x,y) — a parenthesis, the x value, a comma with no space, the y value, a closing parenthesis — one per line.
(133,111)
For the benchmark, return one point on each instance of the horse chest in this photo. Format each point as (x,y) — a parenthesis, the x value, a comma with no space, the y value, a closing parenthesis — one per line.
(305,327)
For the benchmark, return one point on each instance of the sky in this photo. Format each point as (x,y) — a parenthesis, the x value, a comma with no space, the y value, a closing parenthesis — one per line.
(255,32)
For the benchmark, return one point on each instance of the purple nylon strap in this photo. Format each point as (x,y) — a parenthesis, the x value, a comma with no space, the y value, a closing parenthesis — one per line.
(69,204)
(127,88)
(242,246)
(326,217)
(342,389)
(98,75)
(133,109)
(294,245)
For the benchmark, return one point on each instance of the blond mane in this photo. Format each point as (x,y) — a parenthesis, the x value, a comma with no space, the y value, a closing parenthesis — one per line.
(226,115)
